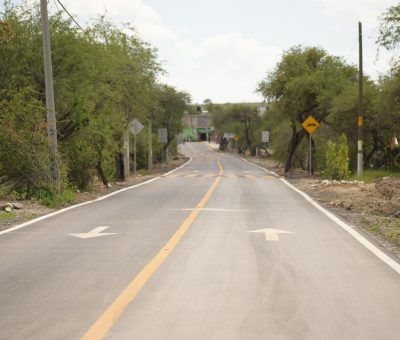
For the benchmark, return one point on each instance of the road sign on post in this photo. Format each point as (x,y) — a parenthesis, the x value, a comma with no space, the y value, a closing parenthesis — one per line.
(135,127)
(163,135)
(265,136)
(162,138)
(310,125)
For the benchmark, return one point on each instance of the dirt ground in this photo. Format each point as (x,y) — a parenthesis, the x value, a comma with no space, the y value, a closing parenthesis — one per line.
(367,205)
(32,208)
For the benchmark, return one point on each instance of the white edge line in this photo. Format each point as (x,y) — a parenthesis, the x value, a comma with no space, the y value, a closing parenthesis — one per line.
(19,226)
(258,166)
(367,244)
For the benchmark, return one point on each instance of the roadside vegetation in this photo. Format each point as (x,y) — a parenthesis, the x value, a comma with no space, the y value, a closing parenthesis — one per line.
(310,81)
(103,78)
(371,175)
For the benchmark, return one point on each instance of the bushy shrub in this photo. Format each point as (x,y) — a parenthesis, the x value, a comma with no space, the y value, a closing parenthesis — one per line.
(48,197)
(343,158)
(330,160)
(337,159)
(24,148)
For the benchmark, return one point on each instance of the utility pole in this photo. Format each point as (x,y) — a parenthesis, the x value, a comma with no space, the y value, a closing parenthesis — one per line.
(360,106)
(51,114)
(150,146)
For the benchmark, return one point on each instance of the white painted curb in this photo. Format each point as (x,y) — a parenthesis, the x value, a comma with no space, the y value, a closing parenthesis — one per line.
(19,226)
(367,244)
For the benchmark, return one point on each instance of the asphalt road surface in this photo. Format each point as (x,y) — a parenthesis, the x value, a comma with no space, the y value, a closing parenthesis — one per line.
(219,249)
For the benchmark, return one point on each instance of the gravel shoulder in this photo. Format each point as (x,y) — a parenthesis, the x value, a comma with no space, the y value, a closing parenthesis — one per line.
(32,208)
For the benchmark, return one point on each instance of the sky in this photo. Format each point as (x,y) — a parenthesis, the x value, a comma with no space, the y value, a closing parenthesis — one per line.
(221,49)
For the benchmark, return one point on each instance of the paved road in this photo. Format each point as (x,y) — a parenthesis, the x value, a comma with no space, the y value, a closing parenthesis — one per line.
(182,264)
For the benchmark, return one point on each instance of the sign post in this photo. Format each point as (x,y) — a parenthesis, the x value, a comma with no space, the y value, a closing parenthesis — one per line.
(265,139)
(310,125)
(163,139)
(135,127)
(126,155)
(265,136)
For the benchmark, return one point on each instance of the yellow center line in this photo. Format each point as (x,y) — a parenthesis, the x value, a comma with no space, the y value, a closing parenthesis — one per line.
(208,146)
(104,323)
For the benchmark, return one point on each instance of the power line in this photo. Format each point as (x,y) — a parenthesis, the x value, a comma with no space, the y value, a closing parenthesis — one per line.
(352,49)
(372,32)
(69,14)
(58,8)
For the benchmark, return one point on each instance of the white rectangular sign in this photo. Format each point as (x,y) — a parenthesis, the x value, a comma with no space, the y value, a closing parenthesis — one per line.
(229,135)
(162,135)
(265,136)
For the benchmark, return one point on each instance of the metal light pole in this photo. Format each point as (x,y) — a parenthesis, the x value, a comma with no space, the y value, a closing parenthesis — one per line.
(51,114)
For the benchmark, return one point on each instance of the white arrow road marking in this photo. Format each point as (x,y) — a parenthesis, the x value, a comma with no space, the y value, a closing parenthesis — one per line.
(96,232)
(270,233)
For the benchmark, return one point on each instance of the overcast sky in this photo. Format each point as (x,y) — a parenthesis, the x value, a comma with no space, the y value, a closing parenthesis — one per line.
(221,49)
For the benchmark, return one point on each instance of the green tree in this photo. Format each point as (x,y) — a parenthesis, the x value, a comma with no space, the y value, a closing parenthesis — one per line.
(24,153)
(103,78)
(241,119)
(172,106)
(389,28)
(304,83)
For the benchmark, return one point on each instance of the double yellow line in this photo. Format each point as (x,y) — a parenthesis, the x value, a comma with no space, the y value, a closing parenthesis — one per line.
(104,323)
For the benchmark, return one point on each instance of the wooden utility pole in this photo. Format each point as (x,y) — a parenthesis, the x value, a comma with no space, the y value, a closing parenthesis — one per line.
(51,113)
(360,106)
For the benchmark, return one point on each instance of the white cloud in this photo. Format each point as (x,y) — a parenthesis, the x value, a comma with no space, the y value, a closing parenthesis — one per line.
(233,51)
(147,20)
(366,11)
(223,67)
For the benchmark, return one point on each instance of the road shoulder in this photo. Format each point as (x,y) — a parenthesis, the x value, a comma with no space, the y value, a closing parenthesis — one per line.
(32,210)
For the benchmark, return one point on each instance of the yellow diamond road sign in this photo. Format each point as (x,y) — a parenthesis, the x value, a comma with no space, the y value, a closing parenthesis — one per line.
(310,124)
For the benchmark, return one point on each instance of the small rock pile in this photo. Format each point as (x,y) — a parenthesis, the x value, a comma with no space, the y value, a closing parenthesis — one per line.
(9,207)
(334,181)
(341,204)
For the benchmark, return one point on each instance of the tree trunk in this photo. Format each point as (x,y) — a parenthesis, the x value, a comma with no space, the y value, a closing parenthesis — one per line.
(297,137)
(100,170)
(119,164)
(374,149)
